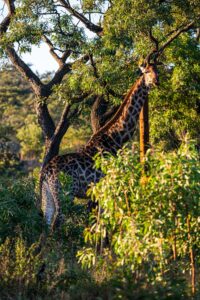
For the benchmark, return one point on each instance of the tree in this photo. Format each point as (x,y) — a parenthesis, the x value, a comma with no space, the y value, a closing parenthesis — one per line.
(101,65)
(16,102)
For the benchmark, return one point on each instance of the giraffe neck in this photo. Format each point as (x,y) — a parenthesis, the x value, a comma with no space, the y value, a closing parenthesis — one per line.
(121,127)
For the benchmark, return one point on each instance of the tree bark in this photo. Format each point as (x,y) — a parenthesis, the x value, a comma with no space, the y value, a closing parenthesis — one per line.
(100,113)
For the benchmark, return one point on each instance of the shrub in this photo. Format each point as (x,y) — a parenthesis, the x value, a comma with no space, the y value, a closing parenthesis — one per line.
(18,211)
(36,263)
(152,220)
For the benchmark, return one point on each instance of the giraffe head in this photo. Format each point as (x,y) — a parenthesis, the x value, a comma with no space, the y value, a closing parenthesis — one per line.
(150,74)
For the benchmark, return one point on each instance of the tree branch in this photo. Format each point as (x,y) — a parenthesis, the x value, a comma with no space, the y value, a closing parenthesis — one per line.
(45,120)
(100,113)
(61,129)
(24,69)
(63,124)
(53,146)
(154,40)
(42,91)
(67,115)
(51,49)
(61,72)
(89,25)
(57,78)
(176,34)
(198,34)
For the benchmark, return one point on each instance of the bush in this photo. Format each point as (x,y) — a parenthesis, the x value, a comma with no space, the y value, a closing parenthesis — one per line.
(35,263)
(152,220)
(18,211)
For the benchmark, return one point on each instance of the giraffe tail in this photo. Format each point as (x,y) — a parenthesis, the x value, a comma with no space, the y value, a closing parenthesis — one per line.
(47,200)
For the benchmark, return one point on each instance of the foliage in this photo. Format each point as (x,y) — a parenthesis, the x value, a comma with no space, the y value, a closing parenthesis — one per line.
(14,93)
(174,106)
(19,264)
(35,263)
(129,22)
(18,211)
(30,137)
(16,99)
(152,227)
(152,220)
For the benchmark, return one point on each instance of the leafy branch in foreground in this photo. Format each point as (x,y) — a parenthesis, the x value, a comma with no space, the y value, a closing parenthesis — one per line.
(152,221)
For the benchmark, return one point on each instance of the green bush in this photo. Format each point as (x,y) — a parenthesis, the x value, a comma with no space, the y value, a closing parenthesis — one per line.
(152,220)
(18,211)
(19,266)
(34,262)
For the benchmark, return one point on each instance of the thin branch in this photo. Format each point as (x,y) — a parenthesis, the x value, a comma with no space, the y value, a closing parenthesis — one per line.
(61,72)
(93,64)
(67,115)
(65,55)
(154,40)
(89,25)
(156,52)
(60,60)
(78,99)
(100,113)
(113,93)
(174,36)
(198,34)
(51,49)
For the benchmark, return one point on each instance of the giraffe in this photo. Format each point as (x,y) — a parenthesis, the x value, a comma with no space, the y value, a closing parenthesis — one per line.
(111,137)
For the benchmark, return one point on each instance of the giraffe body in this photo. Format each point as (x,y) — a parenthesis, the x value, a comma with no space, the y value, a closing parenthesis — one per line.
(110,138)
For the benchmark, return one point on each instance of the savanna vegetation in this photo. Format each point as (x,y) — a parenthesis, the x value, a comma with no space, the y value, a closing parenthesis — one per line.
(142,241)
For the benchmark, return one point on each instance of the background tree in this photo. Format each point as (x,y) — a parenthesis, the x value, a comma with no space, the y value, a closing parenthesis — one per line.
(16,101)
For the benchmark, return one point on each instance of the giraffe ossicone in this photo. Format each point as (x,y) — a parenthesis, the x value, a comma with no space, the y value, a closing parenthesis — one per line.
(110,138)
